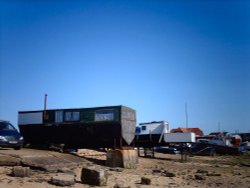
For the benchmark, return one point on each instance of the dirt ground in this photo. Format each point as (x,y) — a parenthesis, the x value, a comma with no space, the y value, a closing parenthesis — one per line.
(198,171)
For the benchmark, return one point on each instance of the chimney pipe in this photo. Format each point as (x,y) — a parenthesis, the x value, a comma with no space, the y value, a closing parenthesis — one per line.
(45,106)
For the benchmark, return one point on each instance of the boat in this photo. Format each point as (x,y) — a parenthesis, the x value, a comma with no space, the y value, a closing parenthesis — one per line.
(219,143)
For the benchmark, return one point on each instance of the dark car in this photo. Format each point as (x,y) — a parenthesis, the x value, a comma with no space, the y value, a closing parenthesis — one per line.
(9,136)
(169,150)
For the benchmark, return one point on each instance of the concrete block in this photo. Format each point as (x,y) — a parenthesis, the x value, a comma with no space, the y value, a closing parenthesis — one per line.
(125,158)
(94,176)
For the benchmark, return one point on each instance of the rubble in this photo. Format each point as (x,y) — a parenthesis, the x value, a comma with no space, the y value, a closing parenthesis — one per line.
(213,174)
(202,171)
(199,177)
(120,185)
(168,174)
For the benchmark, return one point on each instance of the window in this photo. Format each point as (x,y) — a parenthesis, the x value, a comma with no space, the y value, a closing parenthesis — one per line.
(104,115)
(5,126)
(59,117)
(72,116)
(144,128)
(75,116)
(137,130)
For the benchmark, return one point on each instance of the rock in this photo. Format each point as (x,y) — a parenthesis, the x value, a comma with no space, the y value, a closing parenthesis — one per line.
(9,161)
(168,174)
(47,163)
(245,164)
(145,181)
(189,177)
(202,171)
(19,171)
(55,168)
(67,171)
(155,171)
(213,174)
(183,173)
(199,177)
(39,180)
(218,183)
(116,169)
(63,180)
(94,176)
(119,185)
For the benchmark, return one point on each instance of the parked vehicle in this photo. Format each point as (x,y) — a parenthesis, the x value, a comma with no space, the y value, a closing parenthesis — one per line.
(243,147)
(169,150)
(9,136)
(200,149)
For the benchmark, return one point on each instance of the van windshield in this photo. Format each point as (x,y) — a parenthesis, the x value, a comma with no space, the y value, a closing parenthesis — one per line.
(5,126)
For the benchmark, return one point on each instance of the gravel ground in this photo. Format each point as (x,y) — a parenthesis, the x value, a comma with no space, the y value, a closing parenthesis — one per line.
(165,170)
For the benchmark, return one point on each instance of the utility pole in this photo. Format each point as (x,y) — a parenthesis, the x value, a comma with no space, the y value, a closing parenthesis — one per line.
(218,126)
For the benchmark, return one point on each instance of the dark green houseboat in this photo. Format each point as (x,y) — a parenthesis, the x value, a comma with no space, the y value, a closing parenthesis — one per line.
(101,127)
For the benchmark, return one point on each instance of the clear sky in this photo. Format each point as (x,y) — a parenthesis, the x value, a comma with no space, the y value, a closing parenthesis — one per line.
(153,56)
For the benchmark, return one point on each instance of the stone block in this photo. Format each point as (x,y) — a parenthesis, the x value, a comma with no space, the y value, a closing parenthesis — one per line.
(19,171)
(94,176)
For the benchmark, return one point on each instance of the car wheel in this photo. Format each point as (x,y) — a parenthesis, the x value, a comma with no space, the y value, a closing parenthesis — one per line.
(17,147)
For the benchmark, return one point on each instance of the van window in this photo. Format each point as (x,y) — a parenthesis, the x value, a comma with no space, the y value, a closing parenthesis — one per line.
(5,126)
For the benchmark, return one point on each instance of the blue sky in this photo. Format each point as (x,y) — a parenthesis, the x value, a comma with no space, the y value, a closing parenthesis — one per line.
(153,56)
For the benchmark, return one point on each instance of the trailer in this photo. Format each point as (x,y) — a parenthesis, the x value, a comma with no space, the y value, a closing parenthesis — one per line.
(100,127)
(179,137)
(157,133)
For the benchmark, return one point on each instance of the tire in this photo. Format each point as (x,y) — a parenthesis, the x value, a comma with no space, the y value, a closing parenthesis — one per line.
(17,147)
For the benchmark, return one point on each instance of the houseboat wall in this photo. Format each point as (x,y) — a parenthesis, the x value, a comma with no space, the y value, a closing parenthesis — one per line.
(112,126)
